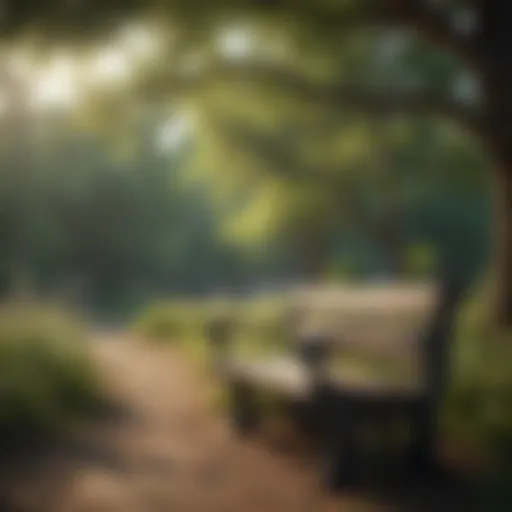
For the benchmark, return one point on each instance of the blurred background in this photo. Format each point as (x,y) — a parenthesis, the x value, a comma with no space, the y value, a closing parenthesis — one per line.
(160,158)
(151,161)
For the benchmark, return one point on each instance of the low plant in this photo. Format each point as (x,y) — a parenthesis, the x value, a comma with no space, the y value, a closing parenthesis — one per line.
(48,379)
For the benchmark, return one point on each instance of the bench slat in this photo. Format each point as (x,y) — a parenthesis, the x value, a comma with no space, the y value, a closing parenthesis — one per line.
(386,320)
(288,377)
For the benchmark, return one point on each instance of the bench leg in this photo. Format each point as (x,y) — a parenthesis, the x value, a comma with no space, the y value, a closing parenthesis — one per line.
(340,456)
(244,408)
(421,458)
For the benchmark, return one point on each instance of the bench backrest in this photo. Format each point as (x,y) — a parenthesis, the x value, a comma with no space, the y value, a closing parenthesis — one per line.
(399,320)
(376,316)
(398,328)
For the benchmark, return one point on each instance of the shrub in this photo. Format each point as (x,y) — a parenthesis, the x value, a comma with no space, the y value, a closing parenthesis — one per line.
(259,326)
(158,323)
(478,408)
(420,260)
(47,378)
(172,320)
(263,318)
(262,327)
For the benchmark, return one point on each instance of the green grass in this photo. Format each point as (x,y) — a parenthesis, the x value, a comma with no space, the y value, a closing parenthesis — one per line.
(48,381)
(258,328)
(171,321)
(478,405)
(258,332)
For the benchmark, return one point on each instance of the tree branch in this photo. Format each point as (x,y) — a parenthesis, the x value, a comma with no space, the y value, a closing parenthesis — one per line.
(270,149)
(350,97)
(343,192)
(283,160)
(417,16)
(342,96)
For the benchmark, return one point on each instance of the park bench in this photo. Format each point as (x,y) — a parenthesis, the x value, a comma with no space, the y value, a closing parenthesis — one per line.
(407,322)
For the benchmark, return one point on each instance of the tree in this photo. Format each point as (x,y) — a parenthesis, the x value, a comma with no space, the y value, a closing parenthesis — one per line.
(473,33)
(310,175)
(481,46)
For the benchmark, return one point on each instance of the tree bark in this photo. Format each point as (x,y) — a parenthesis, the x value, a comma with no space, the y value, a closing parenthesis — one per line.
(501,301)
(495,40)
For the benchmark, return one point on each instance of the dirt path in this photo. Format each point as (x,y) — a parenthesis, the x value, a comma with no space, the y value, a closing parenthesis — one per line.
(170,452)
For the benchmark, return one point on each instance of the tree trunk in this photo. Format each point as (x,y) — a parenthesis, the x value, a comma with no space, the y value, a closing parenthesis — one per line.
(501,302)
(495,40)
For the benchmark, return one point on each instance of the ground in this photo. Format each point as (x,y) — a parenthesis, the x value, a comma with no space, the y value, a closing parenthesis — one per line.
(167,450)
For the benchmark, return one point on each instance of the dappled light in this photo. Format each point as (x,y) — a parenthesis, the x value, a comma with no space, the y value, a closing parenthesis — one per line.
(255,256)
(57,85)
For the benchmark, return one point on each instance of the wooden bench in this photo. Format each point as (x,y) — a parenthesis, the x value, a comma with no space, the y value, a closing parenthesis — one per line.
(336,400)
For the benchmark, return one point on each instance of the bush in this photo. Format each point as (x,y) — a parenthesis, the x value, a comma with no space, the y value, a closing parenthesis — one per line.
(172,320)
(478,408)
(259,325)
(47,379)
(420,260)
(158,323)
(263,323)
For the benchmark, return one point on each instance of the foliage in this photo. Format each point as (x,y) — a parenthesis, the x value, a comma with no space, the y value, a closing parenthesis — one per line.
(259,325)
(318,167)
(293,164)
(172,321)
(48,379)
(420,261)
(264,319)
(478,409)
(109,230)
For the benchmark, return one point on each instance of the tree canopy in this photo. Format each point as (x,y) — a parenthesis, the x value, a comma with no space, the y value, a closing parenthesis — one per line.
(443,60)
